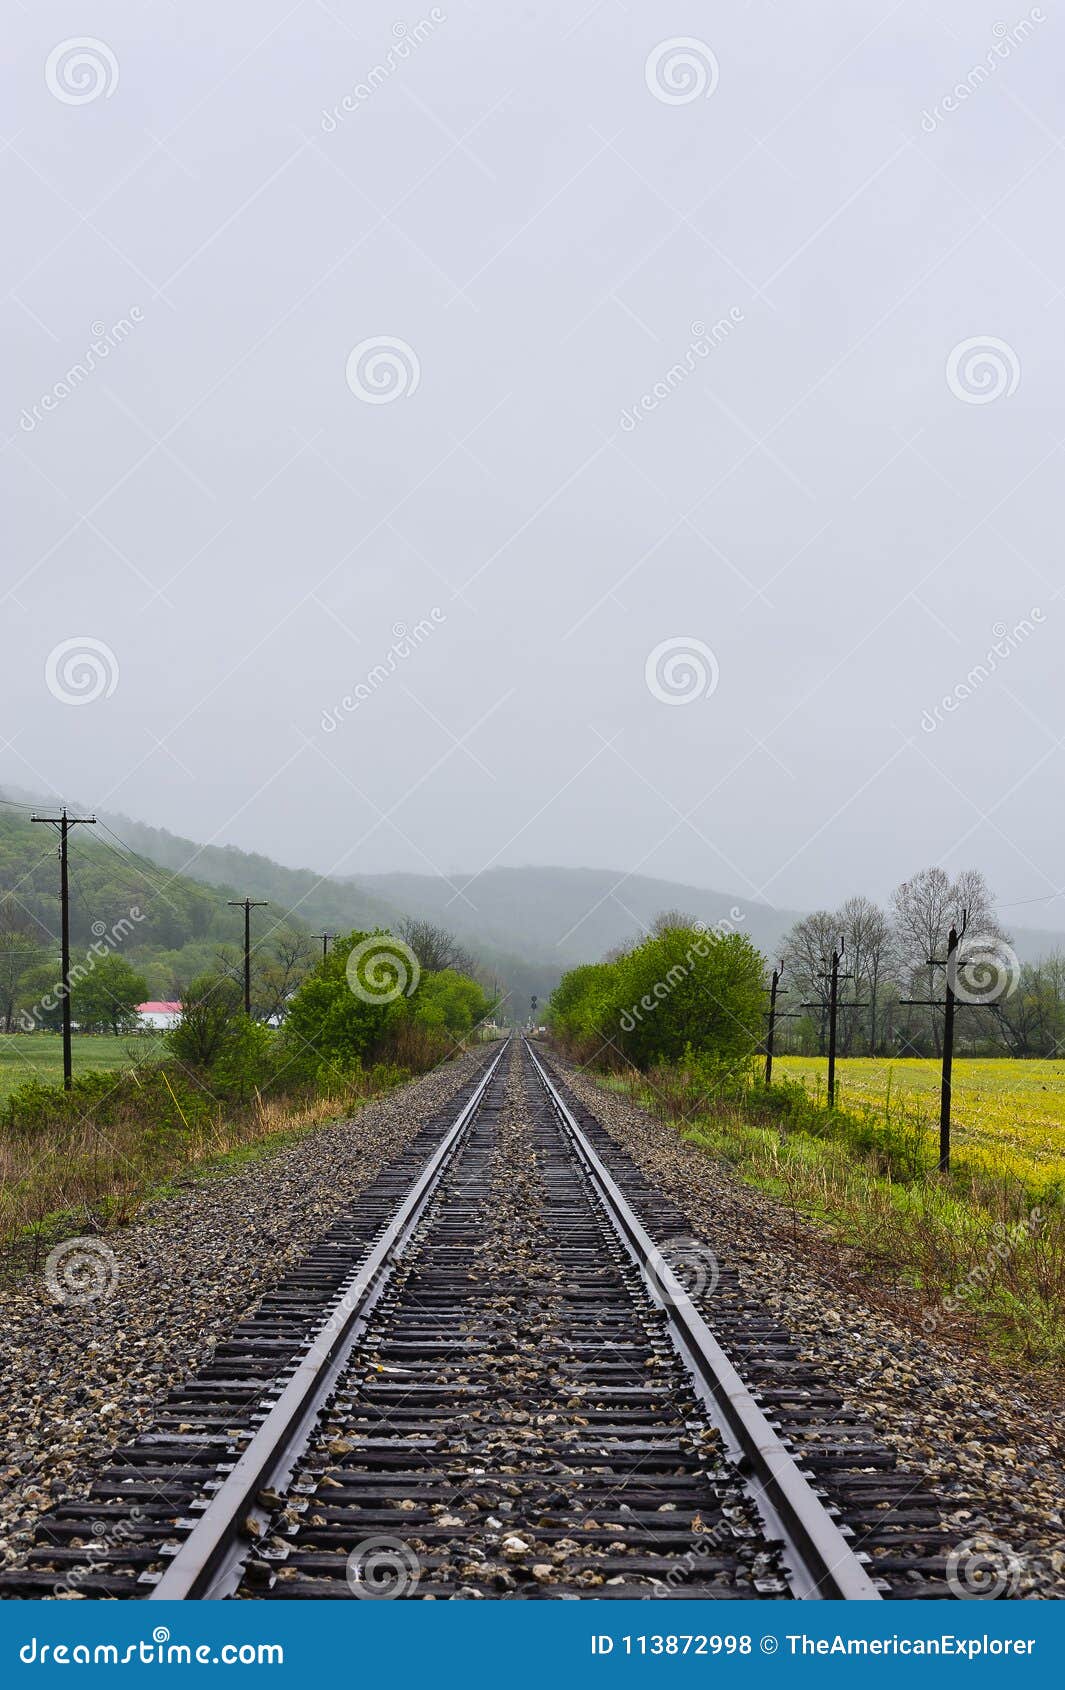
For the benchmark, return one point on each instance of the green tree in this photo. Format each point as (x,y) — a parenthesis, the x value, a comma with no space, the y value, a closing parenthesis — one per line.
(105,997)
(691,989)
(211,1012)
(451,1002)
(334,1021)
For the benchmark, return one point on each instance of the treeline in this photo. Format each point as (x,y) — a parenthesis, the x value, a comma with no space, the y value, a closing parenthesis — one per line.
(141,932)
(368,1004)
(1004,1008)
(687,989)
(131,923)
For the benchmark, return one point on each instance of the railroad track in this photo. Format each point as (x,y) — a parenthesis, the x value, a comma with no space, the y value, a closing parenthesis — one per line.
(488,1379)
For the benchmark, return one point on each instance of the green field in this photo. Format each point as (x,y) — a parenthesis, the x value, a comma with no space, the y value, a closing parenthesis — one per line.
(28,1056)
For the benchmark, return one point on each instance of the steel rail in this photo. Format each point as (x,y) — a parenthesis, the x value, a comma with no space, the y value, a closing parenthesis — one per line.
(209,1563)
(819,1561)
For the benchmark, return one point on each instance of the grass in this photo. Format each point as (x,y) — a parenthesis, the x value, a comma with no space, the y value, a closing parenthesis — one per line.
(74,1177)
(29,1056)
(980,1253)
(1007,1116)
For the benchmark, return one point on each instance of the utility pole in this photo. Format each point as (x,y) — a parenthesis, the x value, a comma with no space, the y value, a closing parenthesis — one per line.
(833,976)
(247,905)
(325,938)
(951,963)
(775,1015)
(64,823)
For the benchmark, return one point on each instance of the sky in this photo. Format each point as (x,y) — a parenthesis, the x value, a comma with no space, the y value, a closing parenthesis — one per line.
(621,435)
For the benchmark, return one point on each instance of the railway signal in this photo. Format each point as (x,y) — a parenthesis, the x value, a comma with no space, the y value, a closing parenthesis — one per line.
(64,823)
(247,905)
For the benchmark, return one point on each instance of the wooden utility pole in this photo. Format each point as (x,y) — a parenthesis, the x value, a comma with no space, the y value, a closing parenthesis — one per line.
(247,905)
(64,823)
(325,938)
(775,1015)
(833,976)
(946,1085)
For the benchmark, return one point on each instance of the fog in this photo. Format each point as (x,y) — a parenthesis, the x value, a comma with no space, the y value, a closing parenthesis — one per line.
(515,437)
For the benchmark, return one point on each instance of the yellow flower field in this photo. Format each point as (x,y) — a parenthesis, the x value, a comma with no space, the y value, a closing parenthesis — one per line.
(1007,1115)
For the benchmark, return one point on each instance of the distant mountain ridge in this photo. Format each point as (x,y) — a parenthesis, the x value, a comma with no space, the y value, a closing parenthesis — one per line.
(526,926)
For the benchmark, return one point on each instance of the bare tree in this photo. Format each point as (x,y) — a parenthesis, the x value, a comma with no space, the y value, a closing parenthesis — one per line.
(668,921)
(435,948)
(924,909)
(807,949)
(870,954)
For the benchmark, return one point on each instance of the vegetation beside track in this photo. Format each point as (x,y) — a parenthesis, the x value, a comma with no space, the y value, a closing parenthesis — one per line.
(221,1082)
(981,1249)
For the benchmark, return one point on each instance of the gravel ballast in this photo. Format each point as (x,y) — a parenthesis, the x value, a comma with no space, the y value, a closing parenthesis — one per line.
(982,1434)
(81,1378)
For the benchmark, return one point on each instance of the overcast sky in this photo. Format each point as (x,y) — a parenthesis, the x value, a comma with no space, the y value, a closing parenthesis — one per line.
(696,624)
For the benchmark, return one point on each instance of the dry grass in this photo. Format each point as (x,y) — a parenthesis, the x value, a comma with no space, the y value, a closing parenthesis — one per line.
(77,1175)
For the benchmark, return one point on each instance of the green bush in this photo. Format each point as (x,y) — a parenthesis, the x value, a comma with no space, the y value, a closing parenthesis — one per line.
(686,993)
